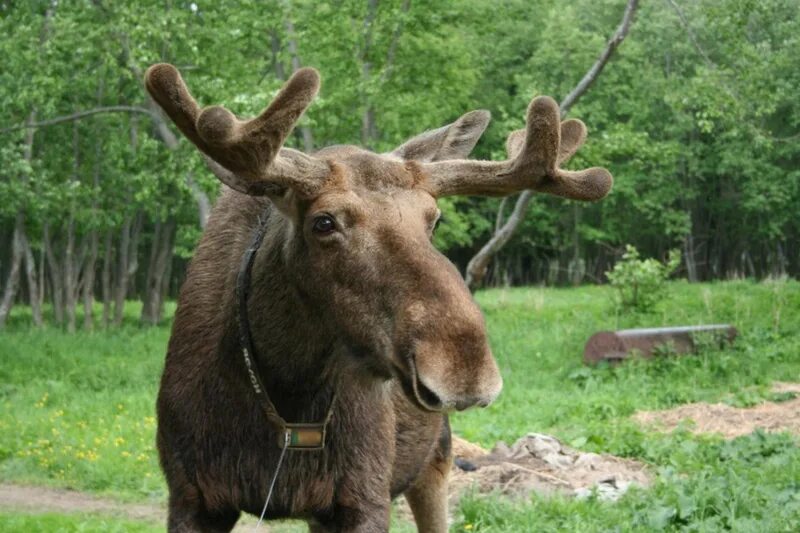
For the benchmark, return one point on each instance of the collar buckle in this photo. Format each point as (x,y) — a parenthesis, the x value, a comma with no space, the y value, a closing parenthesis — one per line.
(304,437)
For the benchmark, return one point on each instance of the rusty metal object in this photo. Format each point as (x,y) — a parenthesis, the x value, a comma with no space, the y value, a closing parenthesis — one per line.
(614,346)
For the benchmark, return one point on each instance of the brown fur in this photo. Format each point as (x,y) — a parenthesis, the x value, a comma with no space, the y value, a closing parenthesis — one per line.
(370,311)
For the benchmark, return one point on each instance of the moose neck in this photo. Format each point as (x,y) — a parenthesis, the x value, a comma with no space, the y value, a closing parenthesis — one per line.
(294,347)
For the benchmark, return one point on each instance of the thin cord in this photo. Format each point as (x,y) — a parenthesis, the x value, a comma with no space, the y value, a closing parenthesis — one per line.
(274,479)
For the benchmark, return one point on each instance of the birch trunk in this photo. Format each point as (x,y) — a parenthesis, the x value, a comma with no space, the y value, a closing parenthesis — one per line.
(54,269)
(478,265)
(33,285)
(161,256)
(121,289)
(88,282)
(12,280)
(105,277)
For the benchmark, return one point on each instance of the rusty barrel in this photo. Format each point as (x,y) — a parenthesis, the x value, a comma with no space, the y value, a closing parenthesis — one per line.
(646,342)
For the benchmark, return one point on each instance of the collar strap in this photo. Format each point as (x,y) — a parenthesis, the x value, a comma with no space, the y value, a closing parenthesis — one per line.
(292,436)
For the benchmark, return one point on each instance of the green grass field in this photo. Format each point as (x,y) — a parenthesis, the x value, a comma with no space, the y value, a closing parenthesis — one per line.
(77,411)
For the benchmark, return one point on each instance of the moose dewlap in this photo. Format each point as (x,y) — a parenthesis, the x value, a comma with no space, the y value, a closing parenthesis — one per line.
(315,299)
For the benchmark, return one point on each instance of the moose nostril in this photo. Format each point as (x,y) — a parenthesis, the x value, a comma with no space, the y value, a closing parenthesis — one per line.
(471,401)
(427,396)
(465,403)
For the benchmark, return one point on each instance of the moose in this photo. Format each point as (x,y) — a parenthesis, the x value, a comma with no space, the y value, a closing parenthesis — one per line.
(316,296)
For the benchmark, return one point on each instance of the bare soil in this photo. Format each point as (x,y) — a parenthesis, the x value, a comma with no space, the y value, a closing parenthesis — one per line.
(541,463)
(729,421)
(27,499)
(44,499)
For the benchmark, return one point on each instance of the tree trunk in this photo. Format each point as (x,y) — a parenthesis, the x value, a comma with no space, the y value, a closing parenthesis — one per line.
(69,275)
(146,315)
(688,256)
(160,257)
(478,265)
(476,269)
(42,281)
(20,248)
(127,264)
(12,280)
(165,283)
(105,277)
(55,276)
(88,282)
(90,269)
(33,285)
(121,290)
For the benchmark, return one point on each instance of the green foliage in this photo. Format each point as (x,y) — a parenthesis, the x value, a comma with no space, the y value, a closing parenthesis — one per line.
(640,282)
(700,133)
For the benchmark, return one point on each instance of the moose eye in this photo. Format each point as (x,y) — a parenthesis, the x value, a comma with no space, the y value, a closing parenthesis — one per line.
(324,224)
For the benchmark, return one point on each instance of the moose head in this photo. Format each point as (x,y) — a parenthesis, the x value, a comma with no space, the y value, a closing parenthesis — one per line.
(360,225)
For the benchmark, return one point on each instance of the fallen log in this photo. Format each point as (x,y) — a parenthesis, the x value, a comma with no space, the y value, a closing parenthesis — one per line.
(615,346)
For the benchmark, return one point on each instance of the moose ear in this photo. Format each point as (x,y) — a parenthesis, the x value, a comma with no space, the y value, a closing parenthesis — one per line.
(454,141)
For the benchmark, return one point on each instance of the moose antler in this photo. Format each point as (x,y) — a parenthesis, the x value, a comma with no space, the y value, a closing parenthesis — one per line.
(535,156)
(248,156)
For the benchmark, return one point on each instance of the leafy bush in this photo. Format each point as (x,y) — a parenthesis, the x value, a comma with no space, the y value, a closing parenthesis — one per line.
(640,282)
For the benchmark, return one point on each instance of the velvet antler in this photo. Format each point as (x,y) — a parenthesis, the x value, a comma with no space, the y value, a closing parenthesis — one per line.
(245,155)
(535,155)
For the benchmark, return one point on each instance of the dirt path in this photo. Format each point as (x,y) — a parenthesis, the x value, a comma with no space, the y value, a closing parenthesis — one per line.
(34,500)
(731,421)
(46,499)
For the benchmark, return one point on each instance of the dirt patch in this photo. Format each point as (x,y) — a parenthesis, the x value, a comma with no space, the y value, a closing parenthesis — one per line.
(538,463)
(728,421)
(35,500)
(541,463)
(43,499)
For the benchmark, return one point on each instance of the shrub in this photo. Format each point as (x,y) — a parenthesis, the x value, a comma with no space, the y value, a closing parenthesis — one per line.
(640,282)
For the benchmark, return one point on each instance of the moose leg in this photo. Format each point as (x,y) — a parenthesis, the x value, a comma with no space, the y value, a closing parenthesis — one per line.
(201,522)
(187,511)
(187,515)
(427,497)
(358,518)
(359,507)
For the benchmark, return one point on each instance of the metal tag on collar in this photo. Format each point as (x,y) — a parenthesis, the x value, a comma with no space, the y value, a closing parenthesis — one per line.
(304,437)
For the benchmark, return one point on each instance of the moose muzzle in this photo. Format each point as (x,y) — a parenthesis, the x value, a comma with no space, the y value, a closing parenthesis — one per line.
(449,365)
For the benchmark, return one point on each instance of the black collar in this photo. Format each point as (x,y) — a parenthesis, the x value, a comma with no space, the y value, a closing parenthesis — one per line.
(298,436)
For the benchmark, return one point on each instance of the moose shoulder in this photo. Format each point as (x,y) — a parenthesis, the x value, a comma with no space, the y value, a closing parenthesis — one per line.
(354,317)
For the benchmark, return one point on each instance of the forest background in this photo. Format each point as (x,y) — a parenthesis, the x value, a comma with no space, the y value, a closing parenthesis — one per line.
(696,114)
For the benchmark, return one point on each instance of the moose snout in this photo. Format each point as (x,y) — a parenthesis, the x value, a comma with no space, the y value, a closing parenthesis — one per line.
(448,380)
(451,366)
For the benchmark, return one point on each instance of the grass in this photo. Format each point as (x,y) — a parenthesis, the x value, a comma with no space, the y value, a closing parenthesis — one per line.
(17,522)
(13,522)
(77,410)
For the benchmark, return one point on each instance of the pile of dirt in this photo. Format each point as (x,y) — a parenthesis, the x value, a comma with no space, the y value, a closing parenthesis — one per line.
(540,463)
(728,421)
